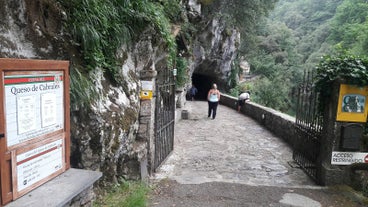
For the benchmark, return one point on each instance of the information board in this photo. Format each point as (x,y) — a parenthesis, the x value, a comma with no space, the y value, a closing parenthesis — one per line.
(352,105)
(34,164)
(33,105)
(34,124)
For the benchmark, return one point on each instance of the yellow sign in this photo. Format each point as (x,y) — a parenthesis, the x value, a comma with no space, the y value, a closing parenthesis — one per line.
(352,106)
(146,95)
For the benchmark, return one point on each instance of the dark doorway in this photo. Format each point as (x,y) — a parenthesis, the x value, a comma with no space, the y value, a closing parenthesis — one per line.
(203,84)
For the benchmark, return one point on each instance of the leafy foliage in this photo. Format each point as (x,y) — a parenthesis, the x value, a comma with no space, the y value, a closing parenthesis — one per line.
(173,10)
(82,91)
(345,68)
(234,73)
(348,69)
(271,93)
(98,28)
(237,90)
(292,40)
(182,75)
(350,26)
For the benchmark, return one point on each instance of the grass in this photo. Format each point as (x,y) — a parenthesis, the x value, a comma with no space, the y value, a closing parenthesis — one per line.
(125,194)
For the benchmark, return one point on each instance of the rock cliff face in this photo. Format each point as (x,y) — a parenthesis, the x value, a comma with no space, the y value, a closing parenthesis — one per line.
(31,29)
(215,49)
(104,137)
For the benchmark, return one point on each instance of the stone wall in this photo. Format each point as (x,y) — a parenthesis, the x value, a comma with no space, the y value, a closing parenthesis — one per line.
(283,126)
(278,123)
(84,199)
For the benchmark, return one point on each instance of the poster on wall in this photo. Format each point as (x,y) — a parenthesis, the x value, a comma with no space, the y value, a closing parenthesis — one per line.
(352,104)
(34,105)
(36,163)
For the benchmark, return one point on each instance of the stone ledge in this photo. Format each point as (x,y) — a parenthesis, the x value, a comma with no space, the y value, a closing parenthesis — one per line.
(59,191)
(282,125)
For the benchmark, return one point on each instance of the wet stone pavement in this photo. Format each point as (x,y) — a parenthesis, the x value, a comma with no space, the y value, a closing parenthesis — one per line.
(234,161)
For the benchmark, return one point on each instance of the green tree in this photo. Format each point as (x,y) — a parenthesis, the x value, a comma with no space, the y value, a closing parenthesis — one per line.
(293,39)
(350,26)
(271,93)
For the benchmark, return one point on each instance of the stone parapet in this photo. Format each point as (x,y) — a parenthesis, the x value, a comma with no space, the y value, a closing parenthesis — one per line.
(278,123)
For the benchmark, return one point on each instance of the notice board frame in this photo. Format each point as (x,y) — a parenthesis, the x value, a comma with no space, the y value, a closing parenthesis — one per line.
(346,95)
(43,69)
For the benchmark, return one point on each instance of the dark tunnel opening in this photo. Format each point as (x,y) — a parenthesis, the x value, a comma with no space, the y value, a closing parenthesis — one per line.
(203,84)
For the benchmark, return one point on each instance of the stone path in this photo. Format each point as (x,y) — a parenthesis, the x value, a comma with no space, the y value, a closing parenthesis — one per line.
(231,148)
(234,152)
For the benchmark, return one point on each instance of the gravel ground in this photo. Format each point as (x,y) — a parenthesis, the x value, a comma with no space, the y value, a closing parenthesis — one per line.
(233,161)
(169,193)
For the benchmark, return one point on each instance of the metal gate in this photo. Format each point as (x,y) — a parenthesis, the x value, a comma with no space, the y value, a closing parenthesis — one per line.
(309,125)
(164,116)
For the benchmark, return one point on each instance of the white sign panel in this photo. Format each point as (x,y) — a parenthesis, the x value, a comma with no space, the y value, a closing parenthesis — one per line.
(34,106)
(48,109)
(348,158)
(26,116)
(147,85)
(39,163)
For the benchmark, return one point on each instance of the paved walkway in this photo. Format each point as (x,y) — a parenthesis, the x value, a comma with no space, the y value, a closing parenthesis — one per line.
(233,161)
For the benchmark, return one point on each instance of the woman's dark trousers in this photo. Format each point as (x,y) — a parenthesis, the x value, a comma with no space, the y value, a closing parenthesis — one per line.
(212,107)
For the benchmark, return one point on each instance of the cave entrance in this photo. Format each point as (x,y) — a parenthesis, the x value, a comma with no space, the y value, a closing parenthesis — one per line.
(203,84)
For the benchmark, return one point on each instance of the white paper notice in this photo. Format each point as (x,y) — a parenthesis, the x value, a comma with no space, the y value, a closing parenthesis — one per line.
(147,85)
(26,114)
(48,109)
(39,163)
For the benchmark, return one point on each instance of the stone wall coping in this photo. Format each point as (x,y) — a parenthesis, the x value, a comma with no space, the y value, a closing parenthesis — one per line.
(264,108)
(59,191)
(274,112)
(281,124)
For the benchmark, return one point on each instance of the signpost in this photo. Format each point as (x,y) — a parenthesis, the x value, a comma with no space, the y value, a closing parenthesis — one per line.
(35,124)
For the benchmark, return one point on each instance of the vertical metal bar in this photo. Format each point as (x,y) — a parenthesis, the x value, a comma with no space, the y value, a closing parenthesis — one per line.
(308,127)
(164,117)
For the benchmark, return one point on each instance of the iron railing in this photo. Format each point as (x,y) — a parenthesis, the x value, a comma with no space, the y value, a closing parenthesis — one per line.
(309,125)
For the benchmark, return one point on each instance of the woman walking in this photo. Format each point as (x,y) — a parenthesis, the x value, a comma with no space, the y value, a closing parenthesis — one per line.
(213,98)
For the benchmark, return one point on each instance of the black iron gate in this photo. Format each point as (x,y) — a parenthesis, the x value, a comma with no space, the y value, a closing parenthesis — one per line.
(309,125)
(164,116)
